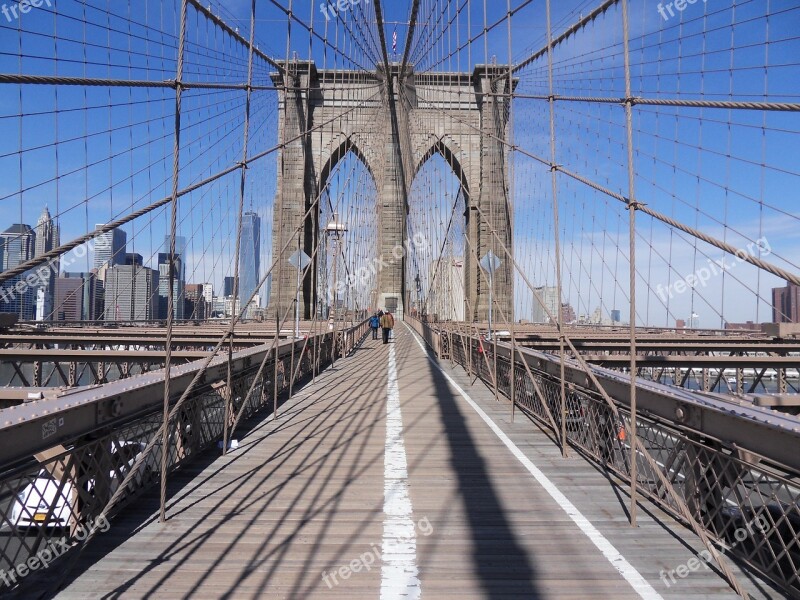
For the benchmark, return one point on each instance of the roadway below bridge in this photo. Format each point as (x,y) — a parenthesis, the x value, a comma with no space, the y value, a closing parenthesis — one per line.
(391,476)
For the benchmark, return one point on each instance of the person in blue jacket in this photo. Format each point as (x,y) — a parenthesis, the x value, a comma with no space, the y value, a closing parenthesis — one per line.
(375,323)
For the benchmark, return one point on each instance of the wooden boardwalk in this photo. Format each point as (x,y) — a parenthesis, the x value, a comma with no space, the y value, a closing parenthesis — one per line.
(312,503)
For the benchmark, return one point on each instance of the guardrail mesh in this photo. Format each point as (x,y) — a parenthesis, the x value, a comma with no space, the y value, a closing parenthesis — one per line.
(746,505)
(50,503)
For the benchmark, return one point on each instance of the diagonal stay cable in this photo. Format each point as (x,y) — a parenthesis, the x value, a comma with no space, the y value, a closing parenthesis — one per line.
(57,252)
(641,206)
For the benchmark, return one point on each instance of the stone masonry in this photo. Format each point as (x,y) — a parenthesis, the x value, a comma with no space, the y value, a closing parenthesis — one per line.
(464,117)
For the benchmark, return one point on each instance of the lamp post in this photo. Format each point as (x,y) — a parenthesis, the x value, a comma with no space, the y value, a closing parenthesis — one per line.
(335,227)
(490,263)
(299,260)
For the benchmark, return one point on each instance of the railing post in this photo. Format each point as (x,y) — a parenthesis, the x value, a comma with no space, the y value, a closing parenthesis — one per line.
(513,371)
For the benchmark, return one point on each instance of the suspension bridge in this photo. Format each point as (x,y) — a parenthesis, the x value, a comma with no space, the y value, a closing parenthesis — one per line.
(581,215)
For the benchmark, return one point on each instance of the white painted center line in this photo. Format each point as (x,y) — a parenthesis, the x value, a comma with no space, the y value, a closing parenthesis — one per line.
(399,573)
(631,575)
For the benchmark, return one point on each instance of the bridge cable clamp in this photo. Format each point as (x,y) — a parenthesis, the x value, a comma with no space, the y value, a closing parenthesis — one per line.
(635,205)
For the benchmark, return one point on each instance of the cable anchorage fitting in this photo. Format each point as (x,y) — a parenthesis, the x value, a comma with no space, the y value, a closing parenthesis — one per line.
(635,205)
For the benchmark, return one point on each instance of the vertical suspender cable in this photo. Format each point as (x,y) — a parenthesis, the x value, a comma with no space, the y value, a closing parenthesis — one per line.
(556,234)
(237,251)
(174,208)
(632,207)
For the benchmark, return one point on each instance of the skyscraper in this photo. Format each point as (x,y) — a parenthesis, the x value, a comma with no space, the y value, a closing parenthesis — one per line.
(227,287)
(69,299)
(180,251)
(47,238)
(446,296)
(178,294)
(195,304)
(208,292)
(47,233)
(131,293)
(786,304)
(132,259)
(250,256)
(92,301)
(110,247)
(549,296)
(18,296)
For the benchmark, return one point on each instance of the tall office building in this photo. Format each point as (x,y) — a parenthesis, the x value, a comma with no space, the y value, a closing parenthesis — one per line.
(90,289)
(133,259)
(17,295)
(568,313)
(47,238)
(549,296)
(68,299)
(47,233)
(786,304)
(180,252)
(131,293)
(178,293)
(227,287)
(208,292)
(195,303)
(110,248)
(250,256)
(446,293)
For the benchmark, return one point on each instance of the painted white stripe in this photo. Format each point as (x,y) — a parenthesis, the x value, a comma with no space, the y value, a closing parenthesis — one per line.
(399,573)
(631,575)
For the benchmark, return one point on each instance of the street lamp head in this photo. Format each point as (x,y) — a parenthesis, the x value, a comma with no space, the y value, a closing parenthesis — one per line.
(335,226)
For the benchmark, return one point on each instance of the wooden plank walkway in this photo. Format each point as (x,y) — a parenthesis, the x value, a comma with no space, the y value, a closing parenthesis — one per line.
(300,509)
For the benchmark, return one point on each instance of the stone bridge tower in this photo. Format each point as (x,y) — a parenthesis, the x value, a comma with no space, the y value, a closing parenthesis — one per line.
(394,128)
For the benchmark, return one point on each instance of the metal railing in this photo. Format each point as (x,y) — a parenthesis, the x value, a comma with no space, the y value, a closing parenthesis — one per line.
(747,504)
(53,496)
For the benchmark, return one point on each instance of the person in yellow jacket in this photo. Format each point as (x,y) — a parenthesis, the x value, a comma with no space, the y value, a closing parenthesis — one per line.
(387,324)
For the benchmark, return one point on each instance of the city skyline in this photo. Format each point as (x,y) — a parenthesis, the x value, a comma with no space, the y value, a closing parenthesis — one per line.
(21,242)
(122,285)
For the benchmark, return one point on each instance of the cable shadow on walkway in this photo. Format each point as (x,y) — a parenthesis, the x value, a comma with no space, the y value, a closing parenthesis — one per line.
(501,563)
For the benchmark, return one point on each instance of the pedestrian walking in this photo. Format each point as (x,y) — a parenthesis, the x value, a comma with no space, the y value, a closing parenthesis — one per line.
(375,323)
(387,324)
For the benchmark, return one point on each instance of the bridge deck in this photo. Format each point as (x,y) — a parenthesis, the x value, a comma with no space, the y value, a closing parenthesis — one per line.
(300,509)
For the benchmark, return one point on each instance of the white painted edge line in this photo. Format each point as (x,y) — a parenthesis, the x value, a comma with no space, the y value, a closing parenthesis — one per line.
(631,575)
(399,572)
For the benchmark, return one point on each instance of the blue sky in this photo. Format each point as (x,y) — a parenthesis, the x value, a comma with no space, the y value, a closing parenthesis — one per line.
(732,174)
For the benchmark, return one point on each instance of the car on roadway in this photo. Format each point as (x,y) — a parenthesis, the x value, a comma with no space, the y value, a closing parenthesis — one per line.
(48,502)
